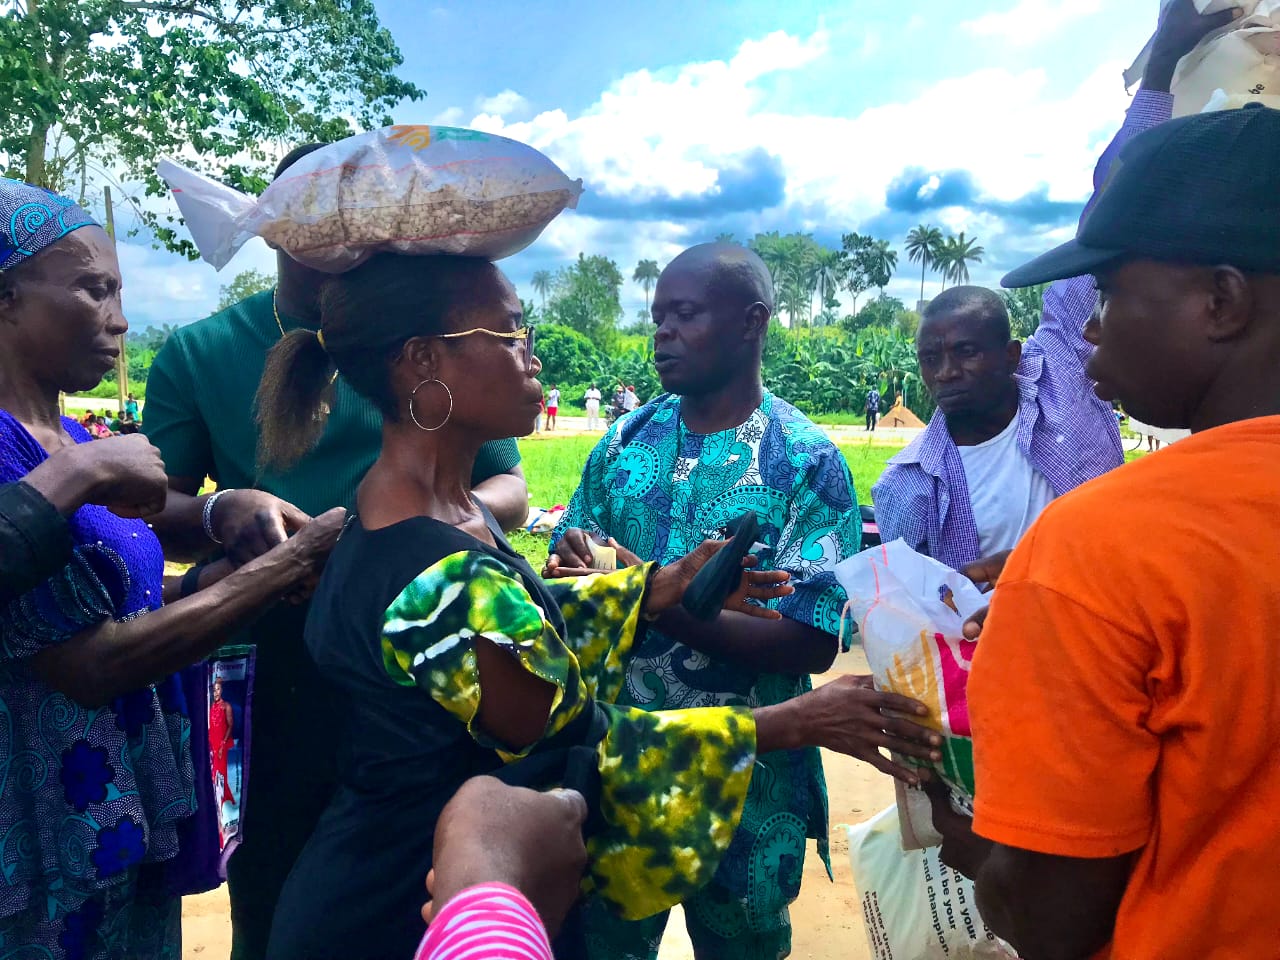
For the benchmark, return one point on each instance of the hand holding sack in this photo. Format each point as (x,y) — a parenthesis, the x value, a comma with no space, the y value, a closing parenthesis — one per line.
(416,190)
(910,610)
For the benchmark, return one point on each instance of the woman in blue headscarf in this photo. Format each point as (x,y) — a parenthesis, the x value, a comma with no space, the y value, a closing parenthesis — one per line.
(97,789)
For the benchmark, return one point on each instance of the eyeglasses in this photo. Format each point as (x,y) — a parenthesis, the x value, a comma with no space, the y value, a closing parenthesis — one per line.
(524,333)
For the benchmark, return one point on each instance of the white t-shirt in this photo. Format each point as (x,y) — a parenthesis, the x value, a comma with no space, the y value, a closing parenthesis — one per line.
(1005,491)
(553,398)
(593,394)
(630,401)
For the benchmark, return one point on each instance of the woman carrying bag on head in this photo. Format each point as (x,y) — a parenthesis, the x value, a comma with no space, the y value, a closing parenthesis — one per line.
(451,657)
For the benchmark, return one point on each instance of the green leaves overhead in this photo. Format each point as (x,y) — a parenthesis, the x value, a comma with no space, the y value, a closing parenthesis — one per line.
(113,84)
(244,284)
(586,297)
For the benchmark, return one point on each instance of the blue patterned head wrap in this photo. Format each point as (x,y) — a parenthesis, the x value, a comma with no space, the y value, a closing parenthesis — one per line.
(32,218)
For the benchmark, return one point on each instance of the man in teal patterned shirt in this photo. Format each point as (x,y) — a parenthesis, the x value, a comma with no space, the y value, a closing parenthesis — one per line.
(678,471)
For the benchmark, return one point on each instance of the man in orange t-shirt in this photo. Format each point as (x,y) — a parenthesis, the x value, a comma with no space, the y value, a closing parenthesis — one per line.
(1125,695)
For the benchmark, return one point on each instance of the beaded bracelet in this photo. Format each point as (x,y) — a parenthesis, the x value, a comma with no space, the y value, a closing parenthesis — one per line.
(208,515)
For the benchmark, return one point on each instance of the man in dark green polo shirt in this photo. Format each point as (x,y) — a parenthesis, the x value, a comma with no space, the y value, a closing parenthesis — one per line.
(200,414)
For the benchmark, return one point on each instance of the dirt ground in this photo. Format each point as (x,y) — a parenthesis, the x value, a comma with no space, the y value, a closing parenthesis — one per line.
(826,919)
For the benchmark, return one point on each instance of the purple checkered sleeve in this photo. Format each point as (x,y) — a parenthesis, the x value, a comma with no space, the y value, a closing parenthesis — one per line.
(1067,432)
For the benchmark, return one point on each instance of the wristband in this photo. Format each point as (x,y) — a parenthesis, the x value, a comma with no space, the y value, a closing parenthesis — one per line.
(208,515)
(190,582)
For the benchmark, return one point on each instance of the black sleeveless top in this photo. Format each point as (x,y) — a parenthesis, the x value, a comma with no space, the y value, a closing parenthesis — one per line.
(357,890)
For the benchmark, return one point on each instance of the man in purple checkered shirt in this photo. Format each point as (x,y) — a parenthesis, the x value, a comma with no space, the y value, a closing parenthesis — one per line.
(1017,424)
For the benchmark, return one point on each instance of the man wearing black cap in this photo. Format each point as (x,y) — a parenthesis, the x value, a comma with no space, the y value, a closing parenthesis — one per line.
(1125,699)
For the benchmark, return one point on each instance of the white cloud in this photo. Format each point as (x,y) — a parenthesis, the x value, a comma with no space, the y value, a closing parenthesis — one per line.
(668,134)
(504,103)
(449,118)
(1030,21)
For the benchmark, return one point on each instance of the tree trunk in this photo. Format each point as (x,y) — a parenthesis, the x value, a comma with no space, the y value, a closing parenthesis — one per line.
(36,169)
(923,265)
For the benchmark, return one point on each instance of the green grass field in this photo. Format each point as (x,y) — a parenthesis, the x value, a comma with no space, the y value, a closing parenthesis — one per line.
(553,467)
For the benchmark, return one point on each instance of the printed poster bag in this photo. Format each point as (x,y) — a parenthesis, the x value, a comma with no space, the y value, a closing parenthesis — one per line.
(219,696)
(230,701)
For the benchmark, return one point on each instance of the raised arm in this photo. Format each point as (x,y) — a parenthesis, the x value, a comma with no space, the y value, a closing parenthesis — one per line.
(1068,304)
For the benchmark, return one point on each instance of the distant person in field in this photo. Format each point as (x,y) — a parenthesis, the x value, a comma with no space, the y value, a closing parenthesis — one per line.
(99,429)
(593,407)
(553,406)
(681,469)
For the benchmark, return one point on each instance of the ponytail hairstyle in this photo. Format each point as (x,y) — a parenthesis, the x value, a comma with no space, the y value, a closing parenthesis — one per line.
(366,316)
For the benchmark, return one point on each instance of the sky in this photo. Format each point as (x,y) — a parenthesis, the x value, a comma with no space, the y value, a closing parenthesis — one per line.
(690,118)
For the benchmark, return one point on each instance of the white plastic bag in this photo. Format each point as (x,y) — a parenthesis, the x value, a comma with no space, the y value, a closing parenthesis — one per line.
(910,610)
(408,189)
(915,907)
(1235,65)
(1241,65)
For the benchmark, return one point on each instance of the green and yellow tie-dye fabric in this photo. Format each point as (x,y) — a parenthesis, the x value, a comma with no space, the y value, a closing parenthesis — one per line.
(673,783)
(602,617)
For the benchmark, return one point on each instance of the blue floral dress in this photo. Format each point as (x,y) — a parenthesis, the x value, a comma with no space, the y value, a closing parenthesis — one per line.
(90,799)
(660,489)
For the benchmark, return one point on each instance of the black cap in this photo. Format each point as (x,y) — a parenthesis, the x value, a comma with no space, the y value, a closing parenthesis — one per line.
(1203,189)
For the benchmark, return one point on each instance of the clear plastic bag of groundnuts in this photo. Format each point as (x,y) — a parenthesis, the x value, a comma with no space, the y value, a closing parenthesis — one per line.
(407,189)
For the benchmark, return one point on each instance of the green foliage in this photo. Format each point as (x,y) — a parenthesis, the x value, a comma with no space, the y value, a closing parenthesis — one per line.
(543,281)
(118,83)
(883,311)
(1026,305)
(954,256)
(870,263)
(567,356)
(829,370)
(586,298)
(244,284)
(923,245)
(795,262)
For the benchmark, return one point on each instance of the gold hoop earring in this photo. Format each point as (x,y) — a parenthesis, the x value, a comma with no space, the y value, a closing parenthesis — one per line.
(416,422)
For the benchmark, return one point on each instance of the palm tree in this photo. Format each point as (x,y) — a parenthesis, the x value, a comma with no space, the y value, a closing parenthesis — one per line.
(646,275)
(831,268)
(958,253)
(771,248)
(725,238)
(542,282)
(923,245)
(800,273)
(884,261)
